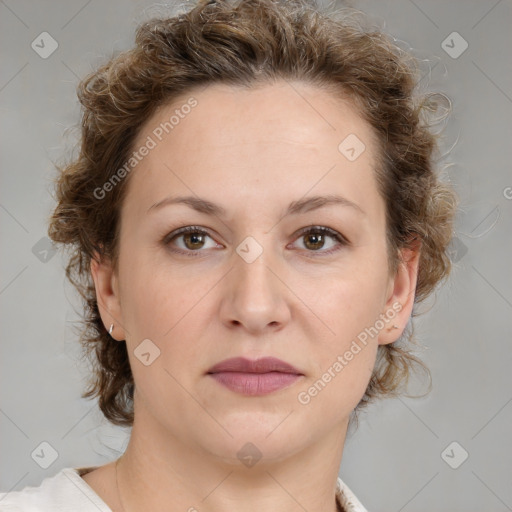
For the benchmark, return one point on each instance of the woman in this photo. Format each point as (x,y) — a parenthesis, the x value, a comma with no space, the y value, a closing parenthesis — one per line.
(253,214)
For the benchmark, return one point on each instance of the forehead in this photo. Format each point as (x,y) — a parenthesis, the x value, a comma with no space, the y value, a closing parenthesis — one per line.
(294,111)
(284,136)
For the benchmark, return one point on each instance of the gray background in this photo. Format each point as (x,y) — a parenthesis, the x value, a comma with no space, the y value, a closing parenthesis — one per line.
(394,460)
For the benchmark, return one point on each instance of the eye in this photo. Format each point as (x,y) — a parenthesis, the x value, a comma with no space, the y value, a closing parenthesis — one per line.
(193,239)
(315,236)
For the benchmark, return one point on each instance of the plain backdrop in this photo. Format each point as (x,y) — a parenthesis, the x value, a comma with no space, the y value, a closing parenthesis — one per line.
(450,451)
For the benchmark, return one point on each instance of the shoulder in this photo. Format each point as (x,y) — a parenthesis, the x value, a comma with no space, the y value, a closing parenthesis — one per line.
(347,498)
(62,492)
(67,491)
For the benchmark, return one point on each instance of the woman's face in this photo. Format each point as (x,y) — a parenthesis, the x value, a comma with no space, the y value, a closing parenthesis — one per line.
(248,281)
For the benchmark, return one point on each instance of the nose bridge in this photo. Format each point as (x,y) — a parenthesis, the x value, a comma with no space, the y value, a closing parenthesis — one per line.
(255,296)
(252,275)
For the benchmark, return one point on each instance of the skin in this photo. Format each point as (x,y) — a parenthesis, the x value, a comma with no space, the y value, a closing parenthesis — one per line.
(252,152)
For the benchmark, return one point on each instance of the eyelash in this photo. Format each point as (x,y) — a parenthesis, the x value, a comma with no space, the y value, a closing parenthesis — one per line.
(342,241)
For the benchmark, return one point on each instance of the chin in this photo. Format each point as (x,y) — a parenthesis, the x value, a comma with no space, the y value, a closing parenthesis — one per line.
(256,440)
(250,452)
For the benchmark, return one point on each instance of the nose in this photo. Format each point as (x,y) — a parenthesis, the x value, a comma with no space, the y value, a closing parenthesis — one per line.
(255,296)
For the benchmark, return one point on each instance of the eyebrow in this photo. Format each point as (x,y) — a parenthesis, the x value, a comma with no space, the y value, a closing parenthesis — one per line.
(294,208)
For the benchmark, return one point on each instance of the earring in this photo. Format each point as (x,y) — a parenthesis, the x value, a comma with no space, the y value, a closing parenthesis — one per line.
(393,327)
(111,329)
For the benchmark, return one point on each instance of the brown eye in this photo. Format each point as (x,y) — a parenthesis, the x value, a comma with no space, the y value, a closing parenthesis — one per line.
(316,238)
(193,239)
(314,241)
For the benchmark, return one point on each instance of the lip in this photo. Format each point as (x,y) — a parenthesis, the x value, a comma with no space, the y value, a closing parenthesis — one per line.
(254,378)
(262,365)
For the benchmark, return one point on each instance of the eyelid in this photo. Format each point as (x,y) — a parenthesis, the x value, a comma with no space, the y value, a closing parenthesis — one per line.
(324,230)
(184,230)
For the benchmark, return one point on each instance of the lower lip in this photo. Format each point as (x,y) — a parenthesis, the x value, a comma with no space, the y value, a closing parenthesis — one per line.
(255,384)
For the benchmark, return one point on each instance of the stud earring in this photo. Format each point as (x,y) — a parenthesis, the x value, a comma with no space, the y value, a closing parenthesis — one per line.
(111,329)
(393,327)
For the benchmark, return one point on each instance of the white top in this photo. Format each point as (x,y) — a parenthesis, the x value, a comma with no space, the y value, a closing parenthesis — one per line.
(68,491)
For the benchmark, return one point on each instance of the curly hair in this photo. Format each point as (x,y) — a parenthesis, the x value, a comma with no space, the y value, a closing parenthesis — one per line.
(248,43)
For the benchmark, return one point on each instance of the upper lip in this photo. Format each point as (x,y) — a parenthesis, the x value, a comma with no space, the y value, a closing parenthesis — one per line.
(262,365)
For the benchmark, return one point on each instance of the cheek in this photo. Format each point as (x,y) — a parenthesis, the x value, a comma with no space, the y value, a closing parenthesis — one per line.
(344,359)
(168,311)
(333,393)
(171,308)
(346,351)
(351,302)
(156,295)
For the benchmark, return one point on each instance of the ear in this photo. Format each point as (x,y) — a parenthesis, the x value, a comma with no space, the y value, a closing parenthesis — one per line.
(107,295)
(401,293)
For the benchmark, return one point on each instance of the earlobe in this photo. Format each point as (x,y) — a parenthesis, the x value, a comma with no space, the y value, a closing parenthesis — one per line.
(107,296)
(400,299)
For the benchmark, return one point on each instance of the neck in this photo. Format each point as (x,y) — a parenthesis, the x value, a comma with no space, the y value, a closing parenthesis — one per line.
(160,472)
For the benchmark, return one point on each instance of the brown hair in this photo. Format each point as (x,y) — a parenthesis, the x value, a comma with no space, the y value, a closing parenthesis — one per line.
(246,43)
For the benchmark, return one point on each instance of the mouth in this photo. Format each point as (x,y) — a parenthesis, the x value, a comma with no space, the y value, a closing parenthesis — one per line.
(254,378)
